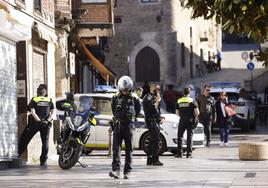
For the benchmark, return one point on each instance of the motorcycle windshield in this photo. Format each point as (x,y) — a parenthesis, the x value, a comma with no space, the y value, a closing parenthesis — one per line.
(83,104)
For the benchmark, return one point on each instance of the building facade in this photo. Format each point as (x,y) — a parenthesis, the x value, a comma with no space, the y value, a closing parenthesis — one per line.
(156,41)
(28,39)
(83,27)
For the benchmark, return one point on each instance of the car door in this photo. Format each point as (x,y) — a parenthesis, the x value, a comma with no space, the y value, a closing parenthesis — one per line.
(103,107)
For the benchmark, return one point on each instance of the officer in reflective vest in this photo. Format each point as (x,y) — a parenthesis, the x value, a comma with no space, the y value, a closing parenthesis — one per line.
(188,111)
(42,110)
(67,106)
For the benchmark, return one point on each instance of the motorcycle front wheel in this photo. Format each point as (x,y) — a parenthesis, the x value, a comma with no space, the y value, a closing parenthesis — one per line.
(69,156)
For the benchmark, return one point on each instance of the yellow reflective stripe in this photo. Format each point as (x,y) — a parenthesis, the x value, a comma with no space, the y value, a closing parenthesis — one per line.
(66,104)
(93,121)
(96,145)
(185,100)
(100,146)
(78,140)
(42,99)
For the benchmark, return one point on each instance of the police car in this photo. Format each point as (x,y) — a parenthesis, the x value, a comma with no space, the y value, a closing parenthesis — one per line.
(245,107)
(99,138)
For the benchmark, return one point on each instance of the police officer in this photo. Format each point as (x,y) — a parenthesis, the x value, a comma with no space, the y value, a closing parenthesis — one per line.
(188,111)
(152,120)
(125,108)
(42,110)
(67,106)
(207,110)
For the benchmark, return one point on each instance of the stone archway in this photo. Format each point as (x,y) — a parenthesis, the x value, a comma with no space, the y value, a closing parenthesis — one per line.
(147,65)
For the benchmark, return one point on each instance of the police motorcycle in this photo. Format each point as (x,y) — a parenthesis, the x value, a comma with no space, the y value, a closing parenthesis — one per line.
(78,121)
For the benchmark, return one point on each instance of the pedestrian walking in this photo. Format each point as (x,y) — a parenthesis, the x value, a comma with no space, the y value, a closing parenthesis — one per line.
(222,118)
(188,111)
(126,108)
(206,104)
(153,121)
(42,110)
(219,58)
(170,97)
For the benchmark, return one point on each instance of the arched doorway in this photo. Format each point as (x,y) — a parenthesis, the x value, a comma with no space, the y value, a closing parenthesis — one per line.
(147,65)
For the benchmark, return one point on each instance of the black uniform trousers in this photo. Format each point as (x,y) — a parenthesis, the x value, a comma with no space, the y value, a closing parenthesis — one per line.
(171,107)
(153,148)
(122,131)
(185,124)
(206,120)
(31,129)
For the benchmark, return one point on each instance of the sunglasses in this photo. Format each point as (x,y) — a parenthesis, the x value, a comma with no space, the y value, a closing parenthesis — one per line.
(207,89)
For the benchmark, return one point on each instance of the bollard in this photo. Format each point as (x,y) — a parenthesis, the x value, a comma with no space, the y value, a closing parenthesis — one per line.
(110,142)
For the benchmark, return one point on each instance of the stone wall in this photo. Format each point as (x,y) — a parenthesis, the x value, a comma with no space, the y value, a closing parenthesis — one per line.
(163,26)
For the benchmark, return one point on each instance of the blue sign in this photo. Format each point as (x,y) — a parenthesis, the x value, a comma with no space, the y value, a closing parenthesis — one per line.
(250,66)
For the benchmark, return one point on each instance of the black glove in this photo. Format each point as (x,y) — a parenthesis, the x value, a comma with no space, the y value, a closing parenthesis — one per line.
(112,124)
(45,124)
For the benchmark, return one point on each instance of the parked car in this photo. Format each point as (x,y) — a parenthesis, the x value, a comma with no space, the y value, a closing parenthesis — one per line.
(245,105)
(99,138)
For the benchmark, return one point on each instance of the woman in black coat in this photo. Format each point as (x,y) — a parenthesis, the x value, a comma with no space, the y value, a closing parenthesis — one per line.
(222,118)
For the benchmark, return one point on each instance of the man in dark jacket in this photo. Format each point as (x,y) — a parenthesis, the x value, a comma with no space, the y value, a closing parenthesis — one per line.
(152,119)
(207,110)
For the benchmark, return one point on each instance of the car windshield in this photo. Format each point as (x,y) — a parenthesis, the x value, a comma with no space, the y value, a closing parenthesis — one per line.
(231,96)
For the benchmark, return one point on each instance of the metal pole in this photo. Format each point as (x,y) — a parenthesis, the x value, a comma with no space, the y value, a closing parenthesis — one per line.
(251,80)
(110,142)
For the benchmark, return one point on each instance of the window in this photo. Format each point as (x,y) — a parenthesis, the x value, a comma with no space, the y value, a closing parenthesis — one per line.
(94,1)
(104,106)
(149,1)
(38,5)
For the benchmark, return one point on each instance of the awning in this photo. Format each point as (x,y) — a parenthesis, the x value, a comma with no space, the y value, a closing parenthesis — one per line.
(106,74)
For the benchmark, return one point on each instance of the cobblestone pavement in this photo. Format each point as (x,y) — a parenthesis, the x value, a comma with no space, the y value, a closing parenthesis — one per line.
(210,167)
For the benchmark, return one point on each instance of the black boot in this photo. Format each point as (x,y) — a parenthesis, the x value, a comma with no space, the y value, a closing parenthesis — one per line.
(149,160)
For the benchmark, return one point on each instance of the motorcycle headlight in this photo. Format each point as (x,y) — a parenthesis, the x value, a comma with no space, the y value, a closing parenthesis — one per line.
(78,120)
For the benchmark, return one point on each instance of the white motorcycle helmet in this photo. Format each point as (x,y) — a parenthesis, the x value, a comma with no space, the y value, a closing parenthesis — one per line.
(125,83)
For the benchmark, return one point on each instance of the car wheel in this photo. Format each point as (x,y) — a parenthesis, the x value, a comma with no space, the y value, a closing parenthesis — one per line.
(145,143)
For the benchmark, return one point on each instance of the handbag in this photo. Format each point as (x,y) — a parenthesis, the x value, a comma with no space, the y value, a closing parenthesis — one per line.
(229,109)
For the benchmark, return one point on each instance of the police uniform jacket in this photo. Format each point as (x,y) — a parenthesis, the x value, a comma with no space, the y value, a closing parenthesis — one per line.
(42,105)
(186,107)
(151,111)
(125,108)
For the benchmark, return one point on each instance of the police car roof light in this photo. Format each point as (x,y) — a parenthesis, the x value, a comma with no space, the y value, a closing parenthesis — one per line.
(106,88)
(225,84)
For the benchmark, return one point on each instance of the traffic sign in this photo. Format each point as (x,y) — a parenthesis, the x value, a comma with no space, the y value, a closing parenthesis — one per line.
(250,66)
